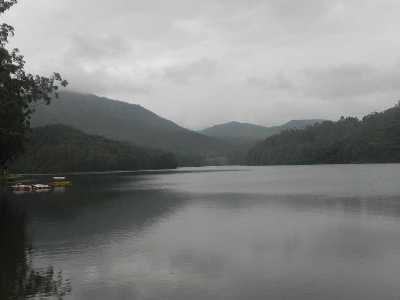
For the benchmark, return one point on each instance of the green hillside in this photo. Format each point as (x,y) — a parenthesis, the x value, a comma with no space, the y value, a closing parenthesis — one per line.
(131,123)
(59,148)
(374,139)
(125,122)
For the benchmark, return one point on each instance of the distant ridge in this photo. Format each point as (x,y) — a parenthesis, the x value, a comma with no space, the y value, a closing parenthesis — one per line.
(238,130)
(251,132)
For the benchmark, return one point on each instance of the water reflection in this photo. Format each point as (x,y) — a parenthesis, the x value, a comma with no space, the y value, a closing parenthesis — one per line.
(97,212)
(325,232)
(18,278)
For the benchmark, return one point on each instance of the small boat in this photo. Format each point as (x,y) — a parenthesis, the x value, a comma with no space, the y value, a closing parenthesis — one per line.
(41,187)
(19,187)
(61,182)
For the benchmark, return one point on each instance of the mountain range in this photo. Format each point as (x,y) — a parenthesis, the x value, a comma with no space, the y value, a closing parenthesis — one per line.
(134,124)
(123,122)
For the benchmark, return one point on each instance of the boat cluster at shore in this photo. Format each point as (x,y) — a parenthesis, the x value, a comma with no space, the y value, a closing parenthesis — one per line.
(57,182)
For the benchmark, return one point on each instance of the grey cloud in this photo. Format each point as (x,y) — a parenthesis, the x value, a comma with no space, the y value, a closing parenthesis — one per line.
(262,61)
(342,82)
(200,69)
(97,47)
(301,16)
(92,64)
(278,82)
(293,12)
(101,82)
(347,81)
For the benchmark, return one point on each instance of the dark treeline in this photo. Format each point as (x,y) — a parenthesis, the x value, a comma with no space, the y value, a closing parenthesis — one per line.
(374,139)
(59,148)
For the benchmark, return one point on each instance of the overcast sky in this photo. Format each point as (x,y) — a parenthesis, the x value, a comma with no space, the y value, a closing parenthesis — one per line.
(205,62)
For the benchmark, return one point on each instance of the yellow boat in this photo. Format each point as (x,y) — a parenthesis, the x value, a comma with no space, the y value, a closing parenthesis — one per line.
(61,182)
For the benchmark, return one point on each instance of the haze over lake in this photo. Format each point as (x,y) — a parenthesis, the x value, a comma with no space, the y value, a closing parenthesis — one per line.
(299,232)
(200,150)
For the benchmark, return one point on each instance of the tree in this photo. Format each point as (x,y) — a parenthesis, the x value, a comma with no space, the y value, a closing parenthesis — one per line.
(19,92)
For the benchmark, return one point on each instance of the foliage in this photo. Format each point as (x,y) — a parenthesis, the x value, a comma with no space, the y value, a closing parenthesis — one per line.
(19,91)
(59,148)
(374,139)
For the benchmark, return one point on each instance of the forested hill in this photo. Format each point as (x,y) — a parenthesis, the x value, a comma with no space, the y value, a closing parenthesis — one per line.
(240,131)
(246,132)
(374,139)
(59,148)
(122,121)
(300,124)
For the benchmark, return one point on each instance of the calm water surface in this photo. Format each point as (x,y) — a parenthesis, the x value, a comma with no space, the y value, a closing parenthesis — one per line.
(307,232)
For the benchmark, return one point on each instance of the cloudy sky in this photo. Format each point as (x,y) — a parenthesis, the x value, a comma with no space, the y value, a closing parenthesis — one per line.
(205,62)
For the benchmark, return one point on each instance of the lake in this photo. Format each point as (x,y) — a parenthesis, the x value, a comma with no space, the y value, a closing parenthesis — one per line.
(290,232)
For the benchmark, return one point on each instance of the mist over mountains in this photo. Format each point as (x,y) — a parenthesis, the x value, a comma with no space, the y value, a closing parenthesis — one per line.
(247,132)
(124,122)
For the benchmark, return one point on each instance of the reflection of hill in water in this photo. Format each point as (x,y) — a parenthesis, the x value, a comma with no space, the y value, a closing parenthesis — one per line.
(18,280)
(388,206)
(96,210)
